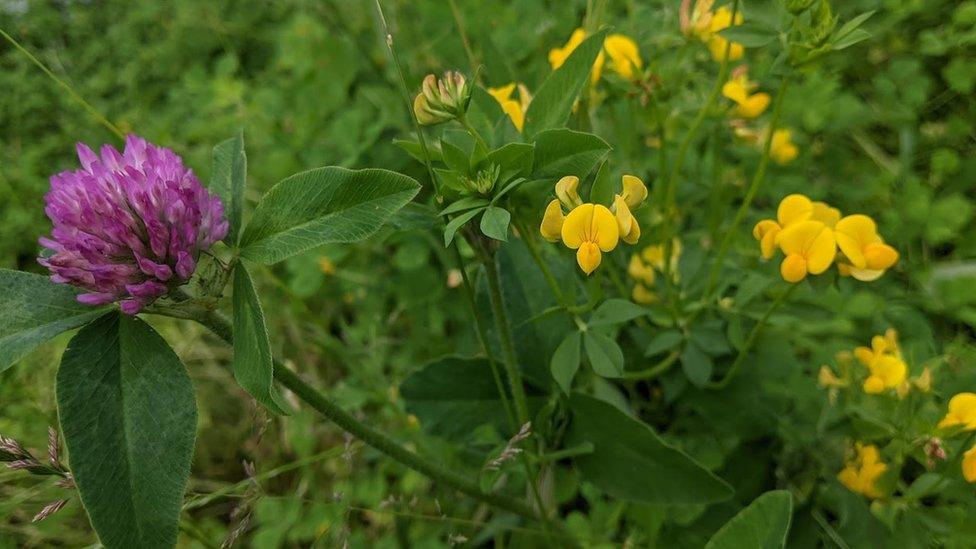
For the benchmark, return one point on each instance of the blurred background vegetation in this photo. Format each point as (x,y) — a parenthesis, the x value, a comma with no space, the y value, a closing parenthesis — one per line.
(889,124)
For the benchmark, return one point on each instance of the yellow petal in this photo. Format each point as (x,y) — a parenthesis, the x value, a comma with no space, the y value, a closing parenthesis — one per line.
(782,149)
(793,268)
(502,93)
(624,218)
(577,225)
(879,256)
(753,106)
(864,355)
(735,89)
(854,232)
(864,275)
(592,223)
(567,191)
(588,257)
(825,214)
(640,271)
(767,246)
(969,465)
(873,385)
(514,111)
(764,227)
(798,237)
(634,191)
(624,55)
(642,295)
(794,208)
(822,251)
(558,56)
(605,231)
(552,222)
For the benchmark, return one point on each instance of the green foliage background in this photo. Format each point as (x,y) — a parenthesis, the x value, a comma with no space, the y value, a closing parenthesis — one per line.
(886,128)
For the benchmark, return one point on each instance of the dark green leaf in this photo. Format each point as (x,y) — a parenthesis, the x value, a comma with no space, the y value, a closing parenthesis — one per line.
(616,311)
(416,150)
(604,354)
(696,365)
(494,223)
(450,180)
(452,227)
(663,341)
(851,25)
(552,104)
(566,360)
(35,310)
(513,158)
(750,35)
(562,152)
(129,418)
(253,364)
(465,203)
(229,180)
(320,206)
(631,462)
(710,338)
(455,158)
(854,37)
(764,524)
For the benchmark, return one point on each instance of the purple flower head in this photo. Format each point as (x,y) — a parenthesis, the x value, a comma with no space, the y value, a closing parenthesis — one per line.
(130,226)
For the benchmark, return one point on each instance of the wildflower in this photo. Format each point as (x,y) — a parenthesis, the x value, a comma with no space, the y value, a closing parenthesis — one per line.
(962,411)
(718,44)
(792,209)
(809,247)
(969,465)
(866,253)
(861,474)
(826,378)
(643,268)
(623,52)
(740,90)
(515,109)
(696,22)
(130,226)
(884,362)
(781,148)
(592,229)
(442,100)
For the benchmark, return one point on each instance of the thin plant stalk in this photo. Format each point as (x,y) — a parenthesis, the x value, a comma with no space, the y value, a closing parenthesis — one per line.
(464,37)
(751,339)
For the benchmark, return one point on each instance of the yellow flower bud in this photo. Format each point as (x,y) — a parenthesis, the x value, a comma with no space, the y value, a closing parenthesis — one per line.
(634,191)
(962,411)
(626,222)
(781,148)
(566,191)
(552,222)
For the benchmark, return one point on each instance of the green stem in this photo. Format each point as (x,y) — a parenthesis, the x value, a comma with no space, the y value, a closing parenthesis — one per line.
(656,370)
(751,339)
(314,398)
(71,92)
(505,338)
(757,182)
(572,451)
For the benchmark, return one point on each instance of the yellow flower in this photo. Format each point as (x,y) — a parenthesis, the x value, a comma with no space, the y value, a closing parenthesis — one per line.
(782,149)
(515,109)
(722,19)
(654,255)
(867,255)
(969,465)
(792,209)
(626,222)
(552,222)
(962,411)
(590,229)
(624,56)
(698,21)
(558,56)
(860,474)
(643,266)
(567,191)
(640,271)
(642,295)
(884,362)
(634,191)
(739,89)
(825,214)
(809,247)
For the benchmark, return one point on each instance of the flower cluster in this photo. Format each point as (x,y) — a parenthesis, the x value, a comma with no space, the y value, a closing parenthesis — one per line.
(810,235)
(592,229)
(705,24)
(961,417)
(644,266)
(624,55)
(514,108)
(886,369)
(130,226)
(442,100)
(861,473)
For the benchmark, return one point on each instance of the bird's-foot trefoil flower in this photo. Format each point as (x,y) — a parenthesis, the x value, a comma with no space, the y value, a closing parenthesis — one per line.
(969,465)
(625,59)
(782,149)
(514,108)
(886,367)
(441,100)
(592,229)
(749,103)
(867,255)
(861,473)
(644,266)
(962,412)
(129,227)
(718,44)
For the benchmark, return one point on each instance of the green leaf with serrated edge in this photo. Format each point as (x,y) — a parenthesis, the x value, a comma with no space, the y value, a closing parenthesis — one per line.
(750,35)
(34,311)
(566,360)
(452,396)
(616,311)
(764,524)
(321,206)
(129,417)
(696,365)
(494,223)
(452,227)
(253,364)
(631,462)
(552,104)
(229,180)
(663,341)
(604,354)
(465,203)
(562,152)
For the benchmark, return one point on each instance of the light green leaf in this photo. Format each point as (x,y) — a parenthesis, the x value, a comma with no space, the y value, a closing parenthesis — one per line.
(465,203)
(566,360)
(320,206)
(764,524)
(562,152)
(616,311)
(855,36)
(416,150)
(750,35)
(513,158)
(604,354)
(454,157)
(35,310)
(494,223)
(454,224)
(696,365)
(552,104)
(229,179)
(253,364)
(129,418)
(851,25)
(631,462)
(663,341)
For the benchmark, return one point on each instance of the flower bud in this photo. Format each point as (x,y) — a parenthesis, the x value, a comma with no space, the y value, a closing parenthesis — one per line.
(442,100)
(566,191)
